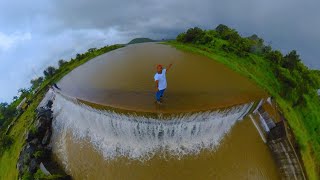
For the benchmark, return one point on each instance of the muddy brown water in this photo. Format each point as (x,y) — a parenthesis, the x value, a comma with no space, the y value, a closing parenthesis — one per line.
(241,155)
(124,79)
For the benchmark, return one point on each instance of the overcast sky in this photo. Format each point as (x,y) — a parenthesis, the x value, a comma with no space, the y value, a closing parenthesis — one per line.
(37,33)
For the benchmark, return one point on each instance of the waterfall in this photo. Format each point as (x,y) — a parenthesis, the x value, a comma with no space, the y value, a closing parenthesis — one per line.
(140,137)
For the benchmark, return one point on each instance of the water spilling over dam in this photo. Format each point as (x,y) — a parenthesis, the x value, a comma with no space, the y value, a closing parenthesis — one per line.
(140,137)
(106,125)
(112,140)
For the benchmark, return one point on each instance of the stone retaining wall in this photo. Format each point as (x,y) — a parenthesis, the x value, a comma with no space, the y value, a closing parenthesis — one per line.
(279,144)
(35,159)
(284,153)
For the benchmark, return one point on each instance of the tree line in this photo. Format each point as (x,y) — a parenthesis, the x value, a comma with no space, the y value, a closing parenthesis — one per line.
(295,78)
(9,111)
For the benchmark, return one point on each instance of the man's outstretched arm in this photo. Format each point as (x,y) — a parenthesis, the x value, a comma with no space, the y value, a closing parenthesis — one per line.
(168,68)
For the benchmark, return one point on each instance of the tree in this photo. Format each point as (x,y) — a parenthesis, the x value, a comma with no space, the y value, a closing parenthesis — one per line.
(36,82)
(1,122)
(78,56)
(7,111)
(291,60)
(257,44)
(224,32)
(194,34)
(15,98)
(221,29)
(275,57)
(181,37)
(92,50)
(266,49)
(49,72)
(23,92)
(61,62)
(255,38)
(205,39)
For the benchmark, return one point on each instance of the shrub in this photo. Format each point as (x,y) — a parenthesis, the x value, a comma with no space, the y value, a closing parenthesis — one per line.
(33,129)
(40,175)
(27,176)
(195,35)
(181,37)
(5,142)
(205,39)
(275,57)
(38,154)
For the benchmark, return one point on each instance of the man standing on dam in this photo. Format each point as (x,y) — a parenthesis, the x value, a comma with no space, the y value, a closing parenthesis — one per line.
(161,81)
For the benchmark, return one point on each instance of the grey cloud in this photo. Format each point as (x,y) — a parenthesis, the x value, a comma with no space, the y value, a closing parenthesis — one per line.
(288,24)
(61,28)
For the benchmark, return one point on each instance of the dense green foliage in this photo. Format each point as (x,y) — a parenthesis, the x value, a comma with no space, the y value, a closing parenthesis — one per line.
(14,124)
(5,143)
(140,40)
(288,69)
(285,77)
(7,111)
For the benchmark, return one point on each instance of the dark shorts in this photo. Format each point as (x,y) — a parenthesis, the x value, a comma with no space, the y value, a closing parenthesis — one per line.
(159,94)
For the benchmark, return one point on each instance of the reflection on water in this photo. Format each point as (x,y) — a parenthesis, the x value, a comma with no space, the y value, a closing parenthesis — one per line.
(124,78)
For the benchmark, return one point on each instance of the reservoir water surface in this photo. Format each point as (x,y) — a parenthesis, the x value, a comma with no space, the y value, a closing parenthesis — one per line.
(124,79)
(204,135)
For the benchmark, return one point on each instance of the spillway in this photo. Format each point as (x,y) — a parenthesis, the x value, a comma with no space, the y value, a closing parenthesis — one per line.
(106,125)
(140,137)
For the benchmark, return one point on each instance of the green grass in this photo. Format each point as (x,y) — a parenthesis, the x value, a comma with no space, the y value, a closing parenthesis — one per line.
(9,157)
(24,122)
(302,120)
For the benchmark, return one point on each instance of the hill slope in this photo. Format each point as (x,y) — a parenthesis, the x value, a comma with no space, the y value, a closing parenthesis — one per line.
(140,40)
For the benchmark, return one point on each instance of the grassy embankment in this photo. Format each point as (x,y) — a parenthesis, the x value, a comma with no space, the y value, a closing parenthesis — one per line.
(23,123)
(303,120)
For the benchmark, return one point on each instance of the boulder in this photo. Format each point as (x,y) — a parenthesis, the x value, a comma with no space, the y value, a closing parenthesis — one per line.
(44,169)
(42,112)
(54,168)
(33,165)
(20,164)
(24,157)
(47,137)
(34,141)
(46,153)
(29,136)
(29,149)
(49,104)
(41,128)
(45,120)
(66,177)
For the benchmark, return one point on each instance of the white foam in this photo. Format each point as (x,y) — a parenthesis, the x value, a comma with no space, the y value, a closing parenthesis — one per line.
(48,96)
(138,137)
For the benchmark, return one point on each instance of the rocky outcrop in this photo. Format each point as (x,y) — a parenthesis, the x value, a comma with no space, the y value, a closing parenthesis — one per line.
(36,155)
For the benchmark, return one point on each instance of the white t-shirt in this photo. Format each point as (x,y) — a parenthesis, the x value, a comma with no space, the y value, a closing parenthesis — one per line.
(162,84)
